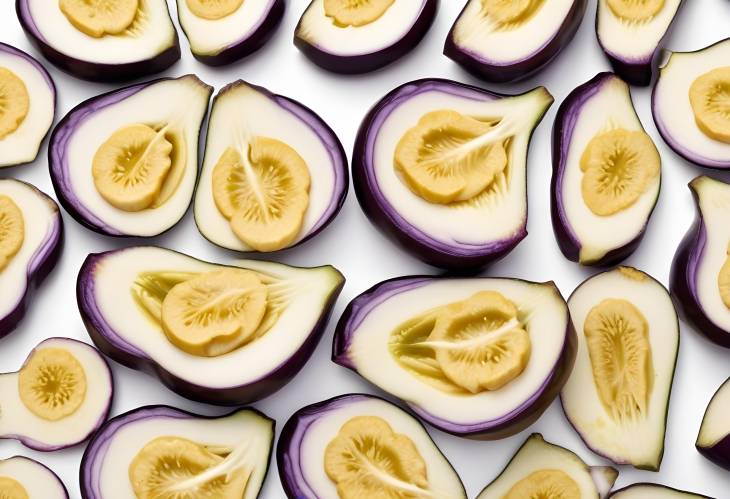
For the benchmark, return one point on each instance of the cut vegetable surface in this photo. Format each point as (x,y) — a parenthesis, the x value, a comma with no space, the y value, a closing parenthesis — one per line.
(653,491)
(220,334)
(156,452)
(24,478)
(480,357)
(713,441)
(441,168)
(358,446)
(125,163)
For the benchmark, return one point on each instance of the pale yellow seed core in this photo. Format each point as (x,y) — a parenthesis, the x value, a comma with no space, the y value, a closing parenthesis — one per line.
(367,459)
(14,102)
(709,96)
(512,13)
(617,336)
(355,12)
(98,18)
(635,10)
(12,230)
(618,168)
(264,194)
(213,9)
(545,484)
(724,280)
(10,488)
(52,383)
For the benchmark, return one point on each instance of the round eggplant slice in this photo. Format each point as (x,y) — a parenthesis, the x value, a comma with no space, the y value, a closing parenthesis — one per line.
(223,32)
(58,398)
(160,451)
(475,357)
(617,398)
(28,95)
(220,334)
(31,238)
(24,478)
(357,37)
(125,163)
(653,491)
(606,173)
(440,167)
(542,469)
(274,174)
(93,41)
(713,441)
(361,446)
(503,41)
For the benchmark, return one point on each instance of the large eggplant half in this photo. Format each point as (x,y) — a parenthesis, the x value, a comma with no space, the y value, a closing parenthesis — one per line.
(653,491)
(713,440)
(24,478)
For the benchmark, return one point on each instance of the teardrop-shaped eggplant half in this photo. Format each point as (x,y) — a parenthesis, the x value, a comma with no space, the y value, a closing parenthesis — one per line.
(440,167)
(27,106)
(606,173)
(503,41)
(617,398)
(225,31)
(58,398)
(125,163)
(543,469)
(102,40)
(274,174)
(24,478)
(214,333)
(158,451)
(689,108)
(31,239)
(361,446)
(356,37)
(475,357)
(653,491)
(700,277)
(713,441)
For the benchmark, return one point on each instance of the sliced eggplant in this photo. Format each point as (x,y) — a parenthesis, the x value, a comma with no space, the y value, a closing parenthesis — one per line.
(158,451)
(475,357)
(617,398)
(653,491)
(606,173)
(440,167)
(58,398)
(357,37)
(361,446)
(125,163)
(31,239)
(24,478)
(274,174)
(220,334)
(543,469)
(503,40)
(28,105)
(713,441)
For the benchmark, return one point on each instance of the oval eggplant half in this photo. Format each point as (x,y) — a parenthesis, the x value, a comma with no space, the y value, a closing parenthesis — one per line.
(653,491)
(713,441)
(21,478)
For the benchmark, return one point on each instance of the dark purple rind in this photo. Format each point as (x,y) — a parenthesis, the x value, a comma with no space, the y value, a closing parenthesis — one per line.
(509,424)
(93,71)
(524,68)
(365,63)
(89,482)
(719,453)
(130,356)
(292,435)
(60,482)
(671,489)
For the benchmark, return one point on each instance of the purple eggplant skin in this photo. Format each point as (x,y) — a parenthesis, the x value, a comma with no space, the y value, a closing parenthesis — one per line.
(494,72)
(720,452)
(65,490)
(668,489)
(128,355)
(89,479)
(366,63)
(42,263)
(503,427)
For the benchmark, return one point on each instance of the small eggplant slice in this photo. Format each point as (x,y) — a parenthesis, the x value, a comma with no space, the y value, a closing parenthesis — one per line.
(542,469)
(653,491)
(161,452)
(24,478)
(440,167)
(617,398)
(606,173)
(58,398)
(502,40)
(361,446)
(713,441)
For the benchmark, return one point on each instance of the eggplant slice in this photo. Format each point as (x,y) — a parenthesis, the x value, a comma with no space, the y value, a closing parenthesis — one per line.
(653,491)
(23,478)
(713,441)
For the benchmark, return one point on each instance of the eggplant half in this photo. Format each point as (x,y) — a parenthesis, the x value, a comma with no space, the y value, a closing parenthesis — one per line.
(503,41)
(653,491)
(361,446)
(274,174)
(24,478)
(713,441)
(475,357)
(226,335)
(125,163)
(357,37)
(543,469)
(31,239)
(606,173)
(441,168)
(58,398)
(158,451)
(617,398)
(100,41)
(28,97)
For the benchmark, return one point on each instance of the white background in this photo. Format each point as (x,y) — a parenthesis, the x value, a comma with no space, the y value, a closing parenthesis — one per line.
(354,246)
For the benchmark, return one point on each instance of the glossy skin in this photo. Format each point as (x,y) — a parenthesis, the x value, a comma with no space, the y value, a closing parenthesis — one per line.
(719,453)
